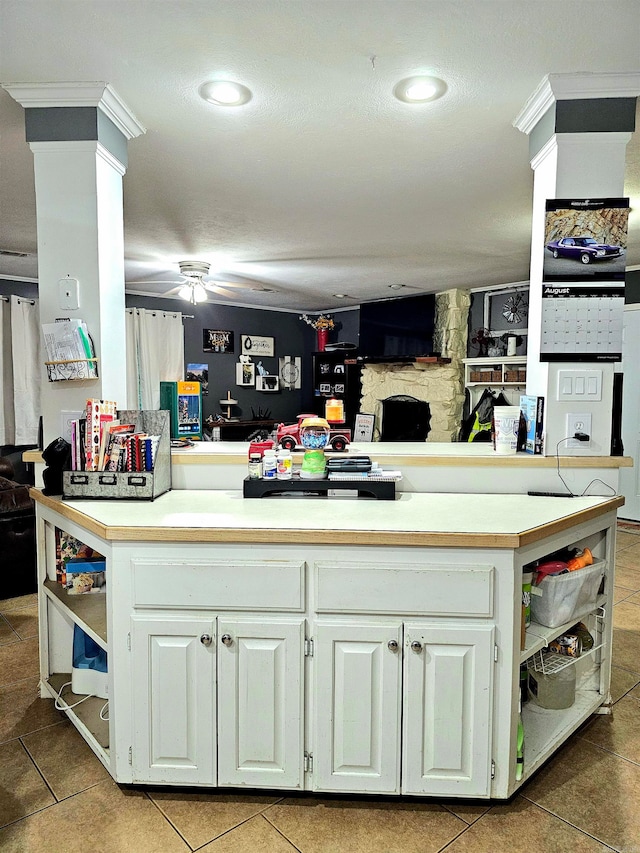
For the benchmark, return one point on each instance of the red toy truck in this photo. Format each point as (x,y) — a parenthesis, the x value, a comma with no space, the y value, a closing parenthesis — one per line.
(289,436)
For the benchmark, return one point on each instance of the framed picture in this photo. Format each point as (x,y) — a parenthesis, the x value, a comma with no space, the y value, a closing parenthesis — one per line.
(585,239)
(246,374)
(199,373)
(256,345)
(338,388)
(267,382)
(325,388)
(363,427)
(217,340)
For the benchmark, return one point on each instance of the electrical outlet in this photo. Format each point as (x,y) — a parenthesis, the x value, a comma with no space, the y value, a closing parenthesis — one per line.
(580,422)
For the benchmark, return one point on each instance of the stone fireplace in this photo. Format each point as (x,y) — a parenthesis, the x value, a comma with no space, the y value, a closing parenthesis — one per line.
(440,385)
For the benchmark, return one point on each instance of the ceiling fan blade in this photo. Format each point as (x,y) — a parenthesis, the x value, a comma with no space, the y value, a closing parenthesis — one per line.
(256,286)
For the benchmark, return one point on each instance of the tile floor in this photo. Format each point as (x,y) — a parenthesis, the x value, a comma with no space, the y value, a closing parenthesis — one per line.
(55,796)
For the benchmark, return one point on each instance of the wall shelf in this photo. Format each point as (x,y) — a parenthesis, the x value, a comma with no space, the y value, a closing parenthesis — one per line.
(59,371)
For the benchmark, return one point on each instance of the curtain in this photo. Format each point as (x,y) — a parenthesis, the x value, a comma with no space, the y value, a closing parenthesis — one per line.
(155,353)
(27,369)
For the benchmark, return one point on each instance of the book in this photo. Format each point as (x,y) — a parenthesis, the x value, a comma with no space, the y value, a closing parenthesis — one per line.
(532,408)
(108,442)
(99,413)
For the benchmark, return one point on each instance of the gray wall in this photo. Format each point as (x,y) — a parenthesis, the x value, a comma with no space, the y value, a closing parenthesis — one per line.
(292,337)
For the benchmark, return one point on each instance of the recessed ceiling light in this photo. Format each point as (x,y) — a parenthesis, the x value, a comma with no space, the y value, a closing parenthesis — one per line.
(419,89)
(340,295)
(224,93)
(396,286)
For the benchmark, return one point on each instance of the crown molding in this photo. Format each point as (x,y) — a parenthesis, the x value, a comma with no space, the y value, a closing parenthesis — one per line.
(568,87)
(100,95)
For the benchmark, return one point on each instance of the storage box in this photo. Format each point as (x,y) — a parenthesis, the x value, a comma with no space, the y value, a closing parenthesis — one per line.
(128,485)
(563,598)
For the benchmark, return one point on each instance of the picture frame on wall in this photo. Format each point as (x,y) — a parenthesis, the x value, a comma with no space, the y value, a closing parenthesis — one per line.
(198,373)
(257,345)
(363,427)
(217,340)
(246,374)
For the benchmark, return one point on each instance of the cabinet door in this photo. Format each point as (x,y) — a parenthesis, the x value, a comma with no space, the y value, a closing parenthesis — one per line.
(260,702)
(357,707)
(448,690)
(173,669)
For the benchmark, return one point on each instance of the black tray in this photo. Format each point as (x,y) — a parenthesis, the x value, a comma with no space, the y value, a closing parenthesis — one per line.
(382,490)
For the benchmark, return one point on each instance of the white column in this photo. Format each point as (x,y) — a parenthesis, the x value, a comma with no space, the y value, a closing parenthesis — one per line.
(78,184)
(579,163)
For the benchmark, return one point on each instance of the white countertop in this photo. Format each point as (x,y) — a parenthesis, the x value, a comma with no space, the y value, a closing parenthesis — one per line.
(483,520)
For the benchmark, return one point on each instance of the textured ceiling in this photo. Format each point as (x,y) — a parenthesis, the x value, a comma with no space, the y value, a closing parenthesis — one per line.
(323,183)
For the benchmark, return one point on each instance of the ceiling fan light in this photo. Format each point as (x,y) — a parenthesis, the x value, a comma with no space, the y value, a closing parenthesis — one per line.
(199,293)
(225,93)
(185,292)
(419,89)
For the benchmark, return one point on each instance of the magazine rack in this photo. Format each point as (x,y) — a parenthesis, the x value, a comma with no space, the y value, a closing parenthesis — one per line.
(128,485)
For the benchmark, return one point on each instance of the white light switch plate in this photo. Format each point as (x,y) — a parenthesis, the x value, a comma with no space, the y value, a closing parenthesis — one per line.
(579,385)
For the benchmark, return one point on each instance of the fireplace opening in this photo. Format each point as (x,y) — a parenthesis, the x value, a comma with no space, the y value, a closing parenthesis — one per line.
(405,418)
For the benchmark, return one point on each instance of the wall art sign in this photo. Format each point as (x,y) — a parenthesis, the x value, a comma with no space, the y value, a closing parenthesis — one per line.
(585,239)
(363,427)
(289,368)
(217,340)
(256,345)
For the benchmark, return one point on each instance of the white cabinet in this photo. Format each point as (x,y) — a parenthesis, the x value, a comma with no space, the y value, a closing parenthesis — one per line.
(356,667)
(357,689)
(437,680)
(448,690)
(250,715)
(260,702)
(173,695)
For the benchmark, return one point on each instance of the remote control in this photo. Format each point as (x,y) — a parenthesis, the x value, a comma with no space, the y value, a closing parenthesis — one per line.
(551,494)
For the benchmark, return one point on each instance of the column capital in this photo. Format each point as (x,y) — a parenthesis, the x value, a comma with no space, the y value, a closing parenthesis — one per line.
(100,95)
(579,86)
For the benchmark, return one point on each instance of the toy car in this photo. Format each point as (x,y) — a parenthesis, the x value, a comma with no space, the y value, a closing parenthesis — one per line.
(288,436)
(585,249)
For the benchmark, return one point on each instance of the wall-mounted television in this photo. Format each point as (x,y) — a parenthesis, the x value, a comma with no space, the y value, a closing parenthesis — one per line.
(397,328)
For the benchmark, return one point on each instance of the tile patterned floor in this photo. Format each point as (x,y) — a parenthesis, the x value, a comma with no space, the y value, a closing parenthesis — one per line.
(56,796)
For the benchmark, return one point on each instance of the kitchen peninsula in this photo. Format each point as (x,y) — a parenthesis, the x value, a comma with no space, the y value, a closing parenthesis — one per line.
(364,646)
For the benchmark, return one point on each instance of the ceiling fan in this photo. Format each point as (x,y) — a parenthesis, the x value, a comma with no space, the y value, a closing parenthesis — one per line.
(195,285)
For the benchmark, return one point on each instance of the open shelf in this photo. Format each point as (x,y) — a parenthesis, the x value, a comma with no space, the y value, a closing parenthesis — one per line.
(538,636)
(88,611)
(85,716)
(545,729)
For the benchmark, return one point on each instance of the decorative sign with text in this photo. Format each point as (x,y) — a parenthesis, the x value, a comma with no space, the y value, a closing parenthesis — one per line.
(217,340)
(256,345)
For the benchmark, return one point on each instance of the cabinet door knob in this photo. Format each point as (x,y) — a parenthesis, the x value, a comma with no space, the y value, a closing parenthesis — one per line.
(227,639)
(416,646)
(206,639)
(392,645)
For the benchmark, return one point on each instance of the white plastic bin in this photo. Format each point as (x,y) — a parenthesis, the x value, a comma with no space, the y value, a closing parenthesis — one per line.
(562,598)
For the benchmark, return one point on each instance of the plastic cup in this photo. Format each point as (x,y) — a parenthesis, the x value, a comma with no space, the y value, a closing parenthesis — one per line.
(506,420)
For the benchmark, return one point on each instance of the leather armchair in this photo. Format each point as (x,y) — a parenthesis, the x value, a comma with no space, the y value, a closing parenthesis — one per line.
(17,535)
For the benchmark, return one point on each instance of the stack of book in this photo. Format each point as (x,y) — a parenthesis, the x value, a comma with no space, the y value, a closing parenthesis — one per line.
(100,442)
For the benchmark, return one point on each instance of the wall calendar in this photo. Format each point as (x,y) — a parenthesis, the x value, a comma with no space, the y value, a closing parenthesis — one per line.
(582,323)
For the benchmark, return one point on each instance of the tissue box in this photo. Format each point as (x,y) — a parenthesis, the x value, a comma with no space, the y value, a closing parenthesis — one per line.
(563,598)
